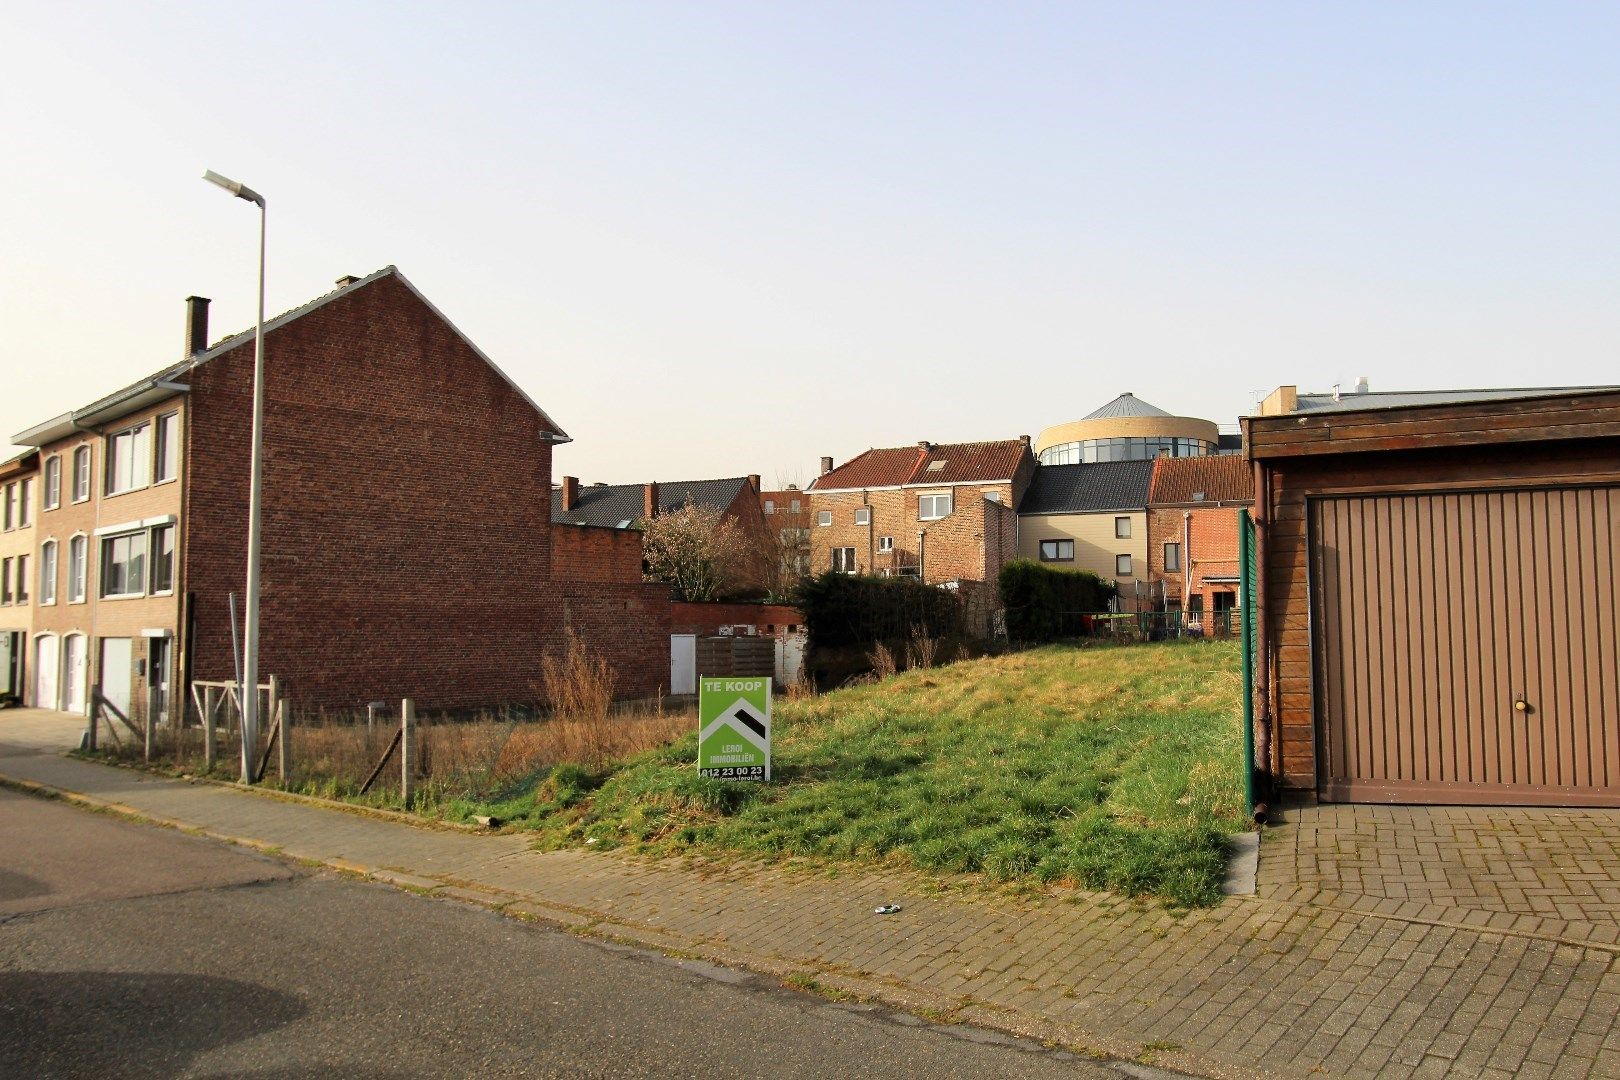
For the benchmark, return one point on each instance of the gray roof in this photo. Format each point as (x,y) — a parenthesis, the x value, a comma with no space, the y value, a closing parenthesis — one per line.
(1125,405)
(615,504)
(1088,489)
(1402,399)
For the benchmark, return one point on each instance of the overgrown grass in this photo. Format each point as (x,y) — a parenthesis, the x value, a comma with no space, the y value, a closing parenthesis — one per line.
(1112,767)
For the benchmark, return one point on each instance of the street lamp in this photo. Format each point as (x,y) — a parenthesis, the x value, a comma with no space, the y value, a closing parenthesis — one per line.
(250,638)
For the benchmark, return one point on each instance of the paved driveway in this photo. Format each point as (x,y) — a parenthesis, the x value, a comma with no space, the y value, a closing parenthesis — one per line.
(1549,873)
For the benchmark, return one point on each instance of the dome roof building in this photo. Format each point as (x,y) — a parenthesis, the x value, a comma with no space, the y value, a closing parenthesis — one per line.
(1126,429)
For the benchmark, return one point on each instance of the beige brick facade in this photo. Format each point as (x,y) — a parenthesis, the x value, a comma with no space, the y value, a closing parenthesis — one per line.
(1097,547)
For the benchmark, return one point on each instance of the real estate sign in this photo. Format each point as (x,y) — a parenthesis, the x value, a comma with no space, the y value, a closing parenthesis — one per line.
(734,729)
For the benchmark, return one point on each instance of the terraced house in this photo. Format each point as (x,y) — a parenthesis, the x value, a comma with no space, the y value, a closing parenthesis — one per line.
(940,512)
(18,481)
(406,547)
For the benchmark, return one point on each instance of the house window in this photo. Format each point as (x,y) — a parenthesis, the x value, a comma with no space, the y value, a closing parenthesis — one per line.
(129,459)
(123,565)
(11,507)
(53,482)
(163,559)
(933,507)
(770,506)
(167,462)
(795,506)
(5,581)
(843,560)
(1122,528)
(885,543)
(26,508)
(823,518)
(1172,557)
(81,474)
(863,515)
(78,552)
(1057,551)
(47,572)
(1122,566)
(22,579)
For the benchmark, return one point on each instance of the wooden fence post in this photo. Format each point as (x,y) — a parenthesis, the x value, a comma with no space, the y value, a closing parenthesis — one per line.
(95,713)
(146,730)
(407,750)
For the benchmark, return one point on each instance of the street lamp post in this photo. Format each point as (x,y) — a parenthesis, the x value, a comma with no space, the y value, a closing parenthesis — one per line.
(250,637)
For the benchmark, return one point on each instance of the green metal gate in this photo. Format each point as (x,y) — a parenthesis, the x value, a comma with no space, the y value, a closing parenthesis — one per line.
(1249,577)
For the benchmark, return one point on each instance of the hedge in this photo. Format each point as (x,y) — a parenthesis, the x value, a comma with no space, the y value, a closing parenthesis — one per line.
(842,610)
(1042,602)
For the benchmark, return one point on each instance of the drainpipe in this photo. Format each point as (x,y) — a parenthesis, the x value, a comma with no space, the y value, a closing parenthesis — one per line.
(1186,564)
(922,541)
(1262,712)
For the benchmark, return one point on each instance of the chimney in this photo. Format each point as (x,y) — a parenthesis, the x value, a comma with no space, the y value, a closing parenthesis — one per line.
(753,482)
(1362,386)
(196,325)
(346,280)
(826,466)
(1024,439)
(649,500)
(570,492)
(924,444)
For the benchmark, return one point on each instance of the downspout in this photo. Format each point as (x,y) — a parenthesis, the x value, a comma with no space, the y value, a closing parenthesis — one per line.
(1186,564)
(1262,712)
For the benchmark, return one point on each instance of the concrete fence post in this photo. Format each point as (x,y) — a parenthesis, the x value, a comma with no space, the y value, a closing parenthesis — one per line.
(209,748)
(407,750)
(95,714)
(284,747)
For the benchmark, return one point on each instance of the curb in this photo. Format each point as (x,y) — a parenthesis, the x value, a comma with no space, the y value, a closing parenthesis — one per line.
(952,1015)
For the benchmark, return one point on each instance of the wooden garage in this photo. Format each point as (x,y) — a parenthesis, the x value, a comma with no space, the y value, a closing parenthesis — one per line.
(1439,588)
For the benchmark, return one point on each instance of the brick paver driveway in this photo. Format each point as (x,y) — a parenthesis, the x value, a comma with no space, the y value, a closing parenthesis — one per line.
(1549,873)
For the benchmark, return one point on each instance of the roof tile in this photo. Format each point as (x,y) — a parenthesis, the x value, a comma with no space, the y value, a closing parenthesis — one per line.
(1218,478)
(938,463)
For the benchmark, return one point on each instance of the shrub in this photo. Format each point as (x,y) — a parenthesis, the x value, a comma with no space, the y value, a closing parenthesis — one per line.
(1042,602)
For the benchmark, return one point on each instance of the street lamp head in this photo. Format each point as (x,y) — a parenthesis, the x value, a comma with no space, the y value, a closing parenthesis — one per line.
(239,190)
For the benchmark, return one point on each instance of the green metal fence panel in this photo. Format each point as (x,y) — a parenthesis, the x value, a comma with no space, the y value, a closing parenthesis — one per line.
(1249,577)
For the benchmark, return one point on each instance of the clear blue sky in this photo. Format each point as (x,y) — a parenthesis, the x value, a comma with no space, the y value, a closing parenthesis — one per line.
(719,239)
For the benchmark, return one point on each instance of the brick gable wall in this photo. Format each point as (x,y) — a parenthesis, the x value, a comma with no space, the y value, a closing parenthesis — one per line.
(1214,549)
(406,543)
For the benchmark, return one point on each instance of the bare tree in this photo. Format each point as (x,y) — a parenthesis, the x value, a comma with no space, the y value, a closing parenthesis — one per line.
(699,551)
(783,546)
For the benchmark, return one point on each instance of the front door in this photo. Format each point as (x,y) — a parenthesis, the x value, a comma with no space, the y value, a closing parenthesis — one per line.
(10,658)
(75,662)
(115,672)
(45,660)
(157,686)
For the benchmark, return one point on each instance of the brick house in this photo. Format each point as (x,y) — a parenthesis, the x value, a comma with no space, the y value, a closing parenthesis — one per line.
(1092,517)
(406,548)
(787,523)
(1192,530)
(621,506)
(941,512)
(19,481)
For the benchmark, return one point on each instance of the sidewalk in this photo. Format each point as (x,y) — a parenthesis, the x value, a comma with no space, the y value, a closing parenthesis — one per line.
(1273,985)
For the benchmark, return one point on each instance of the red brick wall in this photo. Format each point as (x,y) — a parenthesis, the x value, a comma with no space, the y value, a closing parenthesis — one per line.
(957,546)
(1213,549)
(406,546)
(687,618)
(627,624)
(595,553)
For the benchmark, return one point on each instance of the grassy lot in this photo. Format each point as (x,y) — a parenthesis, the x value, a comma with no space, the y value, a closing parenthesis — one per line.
(1105,767)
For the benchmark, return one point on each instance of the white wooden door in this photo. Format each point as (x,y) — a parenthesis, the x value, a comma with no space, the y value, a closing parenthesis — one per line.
(75,665)
(115,665)
(683,663)
(45,667)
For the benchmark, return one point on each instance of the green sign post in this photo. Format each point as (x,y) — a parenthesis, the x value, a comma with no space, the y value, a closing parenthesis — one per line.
(734,729)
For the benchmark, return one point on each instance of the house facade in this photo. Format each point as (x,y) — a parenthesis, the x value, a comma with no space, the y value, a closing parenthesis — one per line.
(1193,507)
(385,428)
(1092,517)
(19,482)
(940,512)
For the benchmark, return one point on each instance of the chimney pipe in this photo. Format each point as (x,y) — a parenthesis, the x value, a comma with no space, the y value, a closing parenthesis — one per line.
(196,325)
(1362,386)
(649,500)
(826,466)
(570,492)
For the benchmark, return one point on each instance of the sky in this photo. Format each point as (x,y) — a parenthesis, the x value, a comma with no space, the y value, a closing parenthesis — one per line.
(719,239)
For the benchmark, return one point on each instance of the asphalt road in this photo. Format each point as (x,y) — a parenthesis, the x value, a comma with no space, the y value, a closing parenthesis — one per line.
(134,951)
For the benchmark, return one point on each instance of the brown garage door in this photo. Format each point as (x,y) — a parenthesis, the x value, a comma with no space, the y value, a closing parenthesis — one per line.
(1436,617)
